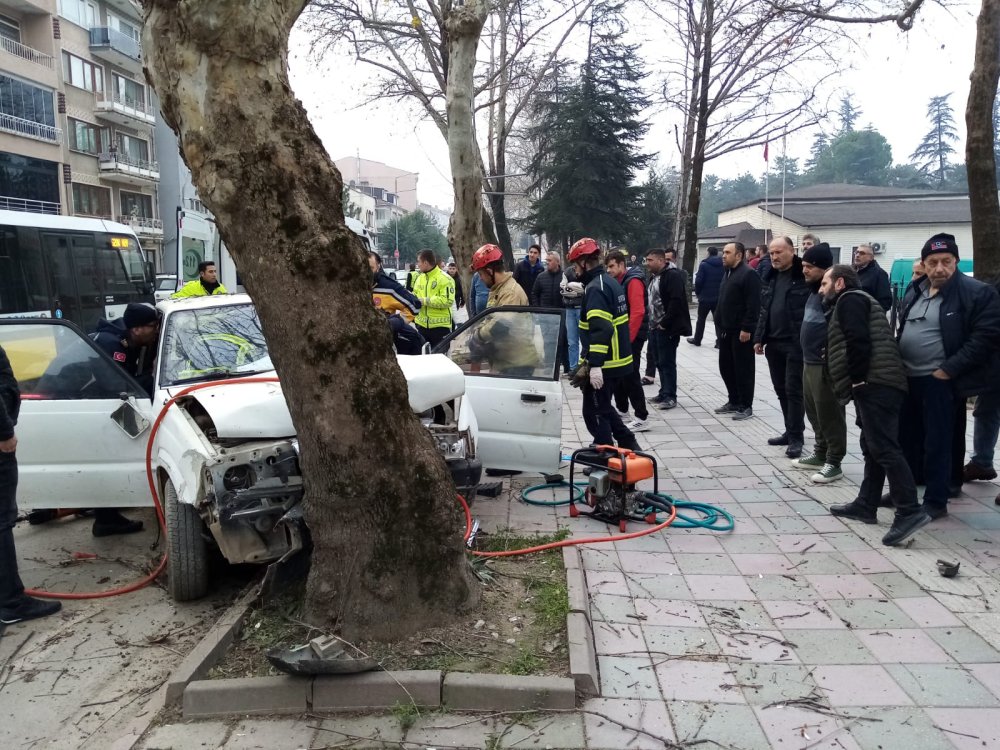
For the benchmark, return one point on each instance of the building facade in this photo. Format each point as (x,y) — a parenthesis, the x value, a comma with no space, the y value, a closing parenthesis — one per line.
(361,173)
(76,116)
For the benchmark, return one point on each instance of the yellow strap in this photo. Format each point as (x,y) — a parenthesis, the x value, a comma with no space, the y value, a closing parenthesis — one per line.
(599,348)
(584,325)
(601,314)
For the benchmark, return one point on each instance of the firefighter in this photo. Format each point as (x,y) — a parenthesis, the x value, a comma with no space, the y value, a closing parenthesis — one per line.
(207,283)
(604,345)
(506,339)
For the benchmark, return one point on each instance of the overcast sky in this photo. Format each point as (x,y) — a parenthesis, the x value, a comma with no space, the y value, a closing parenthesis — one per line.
(893,74)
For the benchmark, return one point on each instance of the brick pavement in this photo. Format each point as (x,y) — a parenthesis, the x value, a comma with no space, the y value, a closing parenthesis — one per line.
(702,636)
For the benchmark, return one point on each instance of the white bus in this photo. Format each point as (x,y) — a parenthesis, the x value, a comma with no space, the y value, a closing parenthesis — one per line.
(69,267)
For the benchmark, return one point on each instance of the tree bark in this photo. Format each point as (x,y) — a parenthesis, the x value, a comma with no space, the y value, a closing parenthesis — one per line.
(980,158)
(388,555)
(693,203)
(465,230)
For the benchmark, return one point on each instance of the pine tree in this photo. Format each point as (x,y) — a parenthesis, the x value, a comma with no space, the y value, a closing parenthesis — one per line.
(848,114)
(588,138)
(652,222)
(933,152)
(820,145)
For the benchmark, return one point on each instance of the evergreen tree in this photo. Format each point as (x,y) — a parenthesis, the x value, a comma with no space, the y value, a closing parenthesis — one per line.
(588,137)
(786,169)
(933,152)
(861,157)
(848,114)
(417,231)
(653,216)
(820,145)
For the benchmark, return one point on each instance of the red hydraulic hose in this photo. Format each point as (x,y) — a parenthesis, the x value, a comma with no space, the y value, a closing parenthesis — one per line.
(143,582)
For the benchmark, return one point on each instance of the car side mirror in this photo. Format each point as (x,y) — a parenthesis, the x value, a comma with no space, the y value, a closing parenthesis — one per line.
(130,420)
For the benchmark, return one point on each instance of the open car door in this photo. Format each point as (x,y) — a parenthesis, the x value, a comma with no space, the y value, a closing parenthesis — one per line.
(510,359)
(84,423)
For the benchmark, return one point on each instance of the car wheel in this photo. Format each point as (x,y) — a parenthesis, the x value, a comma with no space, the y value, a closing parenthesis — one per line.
(187,558)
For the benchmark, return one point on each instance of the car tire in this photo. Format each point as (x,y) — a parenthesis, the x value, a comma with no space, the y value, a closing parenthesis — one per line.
(187,554)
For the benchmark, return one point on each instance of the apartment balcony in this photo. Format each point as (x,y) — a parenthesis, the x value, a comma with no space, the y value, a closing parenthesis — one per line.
(123,110)
(142,226)
(128,8)
(32,7)
(27,62)
(115,47)
(8,203)
(122,168)
(30,129)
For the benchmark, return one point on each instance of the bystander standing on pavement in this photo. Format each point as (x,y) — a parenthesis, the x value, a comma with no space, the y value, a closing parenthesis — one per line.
(547,292)
(527,269)
(15,605)
(706,287)
(763,264)
(783,302)
(629,388)
(572,293)
(809,240)
(649,372)
(669,320)
(604,345)
(452,270)
(949,337)
(825,412)
(738,309)
(874,279)
(865,366)
(436,291)
(986,429)
(477,296)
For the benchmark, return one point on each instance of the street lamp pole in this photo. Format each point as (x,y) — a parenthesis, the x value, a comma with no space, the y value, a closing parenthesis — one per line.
(395,181)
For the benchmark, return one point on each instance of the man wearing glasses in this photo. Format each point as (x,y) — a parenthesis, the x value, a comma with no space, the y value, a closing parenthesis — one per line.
(949,338)
(874,279)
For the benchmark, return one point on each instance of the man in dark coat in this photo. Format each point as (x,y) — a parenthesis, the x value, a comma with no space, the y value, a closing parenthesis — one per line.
(737,313)
(706,286)
(528,268)
(669,320)
(873,277)
(547,292)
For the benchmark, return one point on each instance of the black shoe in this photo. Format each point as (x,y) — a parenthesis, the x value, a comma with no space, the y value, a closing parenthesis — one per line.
(886,501)
(856,511)
(934,510)
(111,525)
(693,342)
(726,408)
(717,345)
(780,440)
(904,527)
(742,414)
(954,492)
(667,403)
(794,449)
(28,608)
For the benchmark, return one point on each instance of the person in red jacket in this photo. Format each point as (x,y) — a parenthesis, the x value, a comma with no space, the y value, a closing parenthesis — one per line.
(629,388)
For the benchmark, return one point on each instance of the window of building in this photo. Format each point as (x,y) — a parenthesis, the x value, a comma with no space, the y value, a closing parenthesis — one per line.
(124,27)
(82,73)
(134,149)
(10,29)
(129,92)
(88,138)
(20,99)
(89,200)
(137,205)
(28,179)
(80,12)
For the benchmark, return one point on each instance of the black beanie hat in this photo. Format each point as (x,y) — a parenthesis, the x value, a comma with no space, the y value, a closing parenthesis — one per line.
(939,243)
(139,314)
(818,255)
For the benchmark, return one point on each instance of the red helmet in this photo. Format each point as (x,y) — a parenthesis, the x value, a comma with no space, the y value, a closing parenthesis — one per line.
(485,255)
(581,247)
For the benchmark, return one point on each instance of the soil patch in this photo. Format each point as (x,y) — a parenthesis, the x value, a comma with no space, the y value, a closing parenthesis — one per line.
(518,628)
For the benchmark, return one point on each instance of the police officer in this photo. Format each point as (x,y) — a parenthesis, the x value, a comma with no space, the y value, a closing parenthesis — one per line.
(207,283)
(604,344)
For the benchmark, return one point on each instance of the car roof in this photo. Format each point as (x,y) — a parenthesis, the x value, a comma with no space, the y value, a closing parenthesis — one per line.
(169,306)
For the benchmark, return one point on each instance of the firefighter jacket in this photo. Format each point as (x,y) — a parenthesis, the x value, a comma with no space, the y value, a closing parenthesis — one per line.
(197,289)
(507,339)
(604,334)
(436,292)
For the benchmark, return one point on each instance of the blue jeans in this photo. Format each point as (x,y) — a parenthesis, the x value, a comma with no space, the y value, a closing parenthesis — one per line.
(986,429)
(573,335)
(926,427)
(666,363)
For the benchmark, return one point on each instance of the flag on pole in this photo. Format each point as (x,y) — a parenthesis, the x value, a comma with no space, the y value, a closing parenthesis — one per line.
(766,144)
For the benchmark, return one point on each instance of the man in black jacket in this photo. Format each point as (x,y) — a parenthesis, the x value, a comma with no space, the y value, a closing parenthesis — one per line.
(874,279)
(547,292)
(706,287)
(15,605)
(865,366)
(669,320)
(527,269)
(736,315)
(949,337)
(783,304)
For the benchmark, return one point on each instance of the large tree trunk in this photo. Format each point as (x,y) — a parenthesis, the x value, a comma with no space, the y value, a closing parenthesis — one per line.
(980,159)
(693,202)
(388,555)
(465,230)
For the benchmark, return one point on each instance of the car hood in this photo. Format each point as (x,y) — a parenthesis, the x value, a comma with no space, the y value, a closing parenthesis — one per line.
(258,410)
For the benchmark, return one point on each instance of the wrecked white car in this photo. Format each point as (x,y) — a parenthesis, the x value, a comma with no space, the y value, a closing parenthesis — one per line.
(225,458)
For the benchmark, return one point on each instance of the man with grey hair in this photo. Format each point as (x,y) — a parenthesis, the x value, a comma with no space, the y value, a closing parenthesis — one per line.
(809,240)
(874,279)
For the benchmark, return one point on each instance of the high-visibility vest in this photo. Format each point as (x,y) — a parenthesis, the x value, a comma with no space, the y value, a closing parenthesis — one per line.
(436,292)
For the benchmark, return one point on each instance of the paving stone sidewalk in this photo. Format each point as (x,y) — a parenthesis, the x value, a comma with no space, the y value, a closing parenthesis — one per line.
(795,631)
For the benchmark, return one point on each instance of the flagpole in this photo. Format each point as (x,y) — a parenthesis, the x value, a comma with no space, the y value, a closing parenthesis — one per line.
(784,169)
(767,213)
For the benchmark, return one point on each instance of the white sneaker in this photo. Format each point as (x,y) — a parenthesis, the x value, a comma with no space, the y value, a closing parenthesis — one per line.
(622,413)
(829,473)
(638,425)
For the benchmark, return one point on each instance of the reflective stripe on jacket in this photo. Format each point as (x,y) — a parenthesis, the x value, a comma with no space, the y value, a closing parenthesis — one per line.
(436,292)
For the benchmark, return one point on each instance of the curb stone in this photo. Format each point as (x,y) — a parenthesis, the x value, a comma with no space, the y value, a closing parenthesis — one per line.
(247,696)
(582,654)
(377,690)
(500,692)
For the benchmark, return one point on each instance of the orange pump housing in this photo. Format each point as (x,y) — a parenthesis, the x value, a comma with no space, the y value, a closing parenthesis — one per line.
(636,468)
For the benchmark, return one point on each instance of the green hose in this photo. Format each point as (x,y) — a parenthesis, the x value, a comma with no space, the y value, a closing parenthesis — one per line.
(711,515)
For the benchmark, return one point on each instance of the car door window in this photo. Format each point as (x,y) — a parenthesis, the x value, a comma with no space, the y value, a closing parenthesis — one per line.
(55,361)
(511,342)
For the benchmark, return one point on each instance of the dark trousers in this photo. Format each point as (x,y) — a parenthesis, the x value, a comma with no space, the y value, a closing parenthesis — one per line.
(650,356)
(736,366)
(629,389)
(784,360)
(603,422)
(11,588)
(433,336)
(704,308)
(825,413)
(666,363)
(878,408)
(927,430)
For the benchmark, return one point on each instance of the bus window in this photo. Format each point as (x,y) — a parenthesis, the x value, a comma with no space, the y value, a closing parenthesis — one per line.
(131,258)
(113,271)
(23,291)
